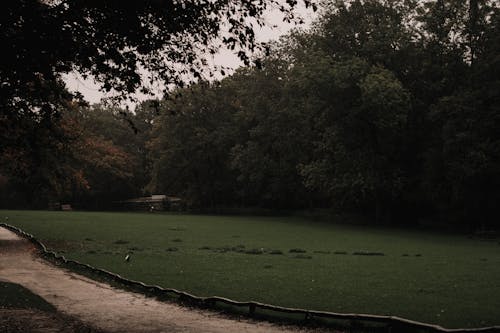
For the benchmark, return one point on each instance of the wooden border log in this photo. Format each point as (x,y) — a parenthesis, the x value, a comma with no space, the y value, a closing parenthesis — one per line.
(251,309)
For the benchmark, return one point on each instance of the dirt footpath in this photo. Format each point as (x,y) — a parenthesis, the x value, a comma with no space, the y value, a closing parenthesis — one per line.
(107,308)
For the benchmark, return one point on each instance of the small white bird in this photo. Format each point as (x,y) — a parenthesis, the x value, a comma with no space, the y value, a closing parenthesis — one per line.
(127,257)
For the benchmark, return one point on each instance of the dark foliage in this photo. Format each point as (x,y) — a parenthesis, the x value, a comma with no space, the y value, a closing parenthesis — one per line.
(394,116)
(114,42)
(385,108)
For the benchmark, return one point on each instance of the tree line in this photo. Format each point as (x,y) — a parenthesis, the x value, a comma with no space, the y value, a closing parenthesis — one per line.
(388,108)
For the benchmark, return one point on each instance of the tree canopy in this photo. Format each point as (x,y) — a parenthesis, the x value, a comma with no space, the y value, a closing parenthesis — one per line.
(125,45)
(388,108)
(114,40)
(383,107)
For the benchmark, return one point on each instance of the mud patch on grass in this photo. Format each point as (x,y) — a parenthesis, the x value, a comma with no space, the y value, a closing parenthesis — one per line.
(302,256)
(367,253)
(172,249)
(176,229)
(255,251)
(297,250)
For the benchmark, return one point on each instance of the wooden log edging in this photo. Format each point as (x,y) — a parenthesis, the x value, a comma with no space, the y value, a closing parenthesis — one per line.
(390,321)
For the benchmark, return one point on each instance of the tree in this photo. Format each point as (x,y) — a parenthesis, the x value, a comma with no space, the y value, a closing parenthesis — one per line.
(463,162)
(35,163)
(191,140)
(357,159)
(108,156)
(273,138)
(113,41)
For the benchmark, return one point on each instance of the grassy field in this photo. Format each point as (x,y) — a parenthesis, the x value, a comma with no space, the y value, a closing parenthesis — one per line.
(14,296)
(450,280)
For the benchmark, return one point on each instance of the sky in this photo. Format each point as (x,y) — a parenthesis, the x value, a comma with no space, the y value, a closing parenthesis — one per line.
(90,90)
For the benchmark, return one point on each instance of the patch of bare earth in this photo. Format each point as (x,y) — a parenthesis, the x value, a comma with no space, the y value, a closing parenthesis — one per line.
(101,306)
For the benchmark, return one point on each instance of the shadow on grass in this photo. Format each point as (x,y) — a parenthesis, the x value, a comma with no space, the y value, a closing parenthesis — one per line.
(15,296)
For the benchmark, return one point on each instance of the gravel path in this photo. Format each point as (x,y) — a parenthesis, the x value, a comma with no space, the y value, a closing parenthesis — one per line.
(113,310)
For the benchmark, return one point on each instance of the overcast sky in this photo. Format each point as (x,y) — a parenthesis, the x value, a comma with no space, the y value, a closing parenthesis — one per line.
(91,92)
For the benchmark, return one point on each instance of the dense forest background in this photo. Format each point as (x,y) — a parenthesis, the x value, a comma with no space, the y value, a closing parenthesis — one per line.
(386,108)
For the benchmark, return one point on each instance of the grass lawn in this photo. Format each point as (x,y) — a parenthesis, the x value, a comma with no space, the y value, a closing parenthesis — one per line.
(14,296)
(450,280)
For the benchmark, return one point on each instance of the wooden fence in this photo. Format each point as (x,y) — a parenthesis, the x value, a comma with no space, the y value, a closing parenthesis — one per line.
(391,323)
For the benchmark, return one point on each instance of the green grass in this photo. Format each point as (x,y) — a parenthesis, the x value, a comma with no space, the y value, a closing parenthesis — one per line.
(14,296)
(445,279)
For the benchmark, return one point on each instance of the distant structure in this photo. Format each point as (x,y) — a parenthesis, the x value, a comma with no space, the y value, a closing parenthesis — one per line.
(59,206)
(156,202)
(66,207)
